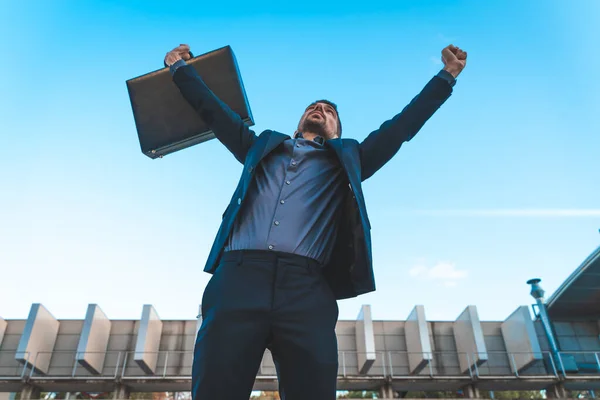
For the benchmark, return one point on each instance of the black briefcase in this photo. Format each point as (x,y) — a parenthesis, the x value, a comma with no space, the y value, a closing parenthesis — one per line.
(165,121)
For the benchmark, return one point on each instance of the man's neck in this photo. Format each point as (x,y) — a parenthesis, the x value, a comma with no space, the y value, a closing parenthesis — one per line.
(310,135)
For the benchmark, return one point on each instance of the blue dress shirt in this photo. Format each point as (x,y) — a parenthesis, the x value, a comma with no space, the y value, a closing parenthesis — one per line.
(294,202)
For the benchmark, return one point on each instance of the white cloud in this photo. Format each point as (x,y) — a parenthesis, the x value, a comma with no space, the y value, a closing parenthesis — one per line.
(516,212)
(444,272)
(436,60)
(417,270)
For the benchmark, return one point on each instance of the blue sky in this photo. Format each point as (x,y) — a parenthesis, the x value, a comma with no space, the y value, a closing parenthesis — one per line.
(500,186)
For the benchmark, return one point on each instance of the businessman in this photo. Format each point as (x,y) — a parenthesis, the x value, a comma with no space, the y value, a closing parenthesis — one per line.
(294,239)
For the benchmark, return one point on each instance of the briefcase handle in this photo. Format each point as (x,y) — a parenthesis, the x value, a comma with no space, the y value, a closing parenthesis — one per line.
(191,56)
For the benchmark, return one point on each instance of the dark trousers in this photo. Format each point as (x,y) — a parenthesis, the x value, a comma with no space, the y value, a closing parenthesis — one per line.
(259,299)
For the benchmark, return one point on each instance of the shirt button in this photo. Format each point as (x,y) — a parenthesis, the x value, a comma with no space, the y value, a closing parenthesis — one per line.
(239,201)
(271,247)
(287,182)
(282,201)
(293,162)
(276,223)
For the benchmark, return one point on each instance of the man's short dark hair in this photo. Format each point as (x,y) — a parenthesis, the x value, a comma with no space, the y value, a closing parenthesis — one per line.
(332,104)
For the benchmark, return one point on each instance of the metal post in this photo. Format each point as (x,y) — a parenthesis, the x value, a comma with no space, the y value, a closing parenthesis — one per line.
(117,366)
(75,364)
(556,391)
(514,365)
(562,366)
(386,391)
(538,294)
(124,363)
(30,392)
(430,366)
(553,366)
(121,392)
(344,363)
(471,392)
(33,366)
(471,366)
(166,362)
(24,367)
(476,369)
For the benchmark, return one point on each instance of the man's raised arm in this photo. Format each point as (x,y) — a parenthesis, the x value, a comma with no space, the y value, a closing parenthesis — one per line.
(227,126)
(382,144)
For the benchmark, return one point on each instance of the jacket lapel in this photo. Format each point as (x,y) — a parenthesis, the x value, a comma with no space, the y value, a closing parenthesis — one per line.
(338,146)
(266,142)
(343,156)
(275,139)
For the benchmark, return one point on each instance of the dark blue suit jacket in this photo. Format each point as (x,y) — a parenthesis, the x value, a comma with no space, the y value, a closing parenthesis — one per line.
(350,271)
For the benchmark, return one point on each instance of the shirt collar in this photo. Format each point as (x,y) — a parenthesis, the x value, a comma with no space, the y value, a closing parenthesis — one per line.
(318,139)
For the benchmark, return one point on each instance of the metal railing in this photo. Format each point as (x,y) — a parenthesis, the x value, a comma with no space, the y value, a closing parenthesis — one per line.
(351,364)
(69,364)
(587,364)
(517,364)
(11,368)
(348,364)
(165,364)
(428,364)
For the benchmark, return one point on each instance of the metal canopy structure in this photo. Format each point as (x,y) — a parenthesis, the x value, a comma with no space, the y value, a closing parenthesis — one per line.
(98,354)
(579,295)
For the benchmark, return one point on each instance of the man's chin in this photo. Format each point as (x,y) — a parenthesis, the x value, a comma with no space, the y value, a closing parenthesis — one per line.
(315,127)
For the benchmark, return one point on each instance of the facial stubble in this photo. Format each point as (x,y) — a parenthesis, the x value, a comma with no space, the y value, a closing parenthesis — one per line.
(316,127)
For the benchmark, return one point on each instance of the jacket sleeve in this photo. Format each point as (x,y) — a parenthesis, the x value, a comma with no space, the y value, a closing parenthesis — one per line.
(382,144)
(227,126)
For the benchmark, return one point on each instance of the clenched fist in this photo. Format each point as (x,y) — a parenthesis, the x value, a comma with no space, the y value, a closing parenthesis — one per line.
(182,52)
(454,60)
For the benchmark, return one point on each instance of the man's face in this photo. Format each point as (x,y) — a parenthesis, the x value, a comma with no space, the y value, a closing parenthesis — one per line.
(321,119)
